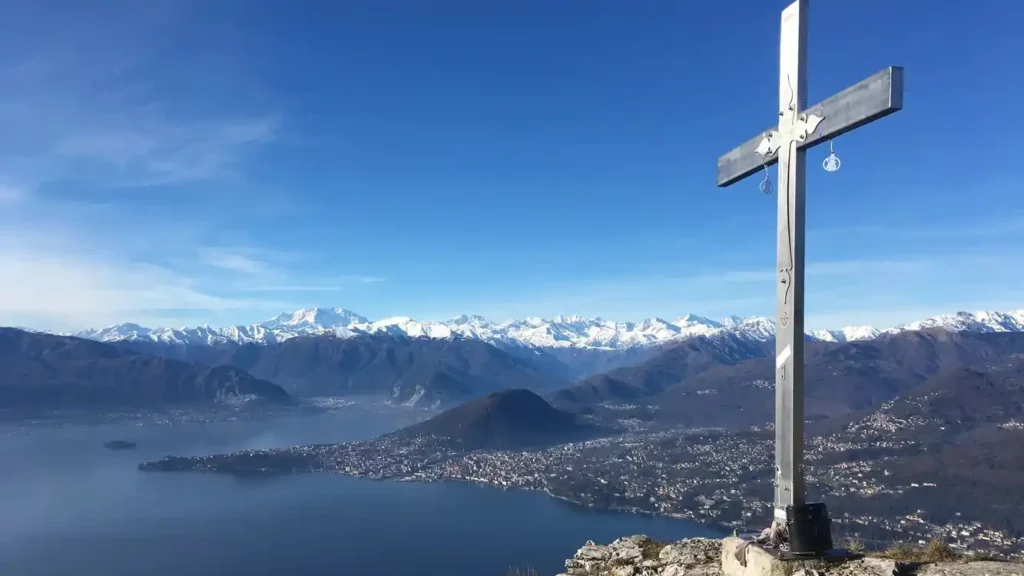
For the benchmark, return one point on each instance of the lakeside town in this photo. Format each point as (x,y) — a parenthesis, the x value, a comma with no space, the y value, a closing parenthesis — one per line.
(703,475)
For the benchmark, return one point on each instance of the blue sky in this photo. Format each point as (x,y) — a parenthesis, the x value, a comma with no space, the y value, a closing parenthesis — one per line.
(176,162)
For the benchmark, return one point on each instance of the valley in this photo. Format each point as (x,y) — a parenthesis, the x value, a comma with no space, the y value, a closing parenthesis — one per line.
(878,489)
(943,459)
(578,362)
(911,432)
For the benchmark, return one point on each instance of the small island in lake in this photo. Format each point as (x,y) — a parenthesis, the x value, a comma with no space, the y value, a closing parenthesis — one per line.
(119,445)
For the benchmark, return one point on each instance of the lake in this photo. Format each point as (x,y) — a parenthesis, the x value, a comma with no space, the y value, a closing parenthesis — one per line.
(68,506)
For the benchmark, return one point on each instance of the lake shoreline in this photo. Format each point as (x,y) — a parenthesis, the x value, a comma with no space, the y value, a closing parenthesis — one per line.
(722,527)
(112,520)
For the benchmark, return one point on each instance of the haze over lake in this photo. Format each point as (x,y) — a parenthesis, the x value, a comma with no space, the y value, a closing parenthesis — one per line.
(71,506)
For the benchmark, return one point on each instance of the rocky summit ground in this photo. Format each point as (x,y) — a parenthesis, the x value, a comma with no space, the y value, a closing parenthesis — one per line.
(641,556)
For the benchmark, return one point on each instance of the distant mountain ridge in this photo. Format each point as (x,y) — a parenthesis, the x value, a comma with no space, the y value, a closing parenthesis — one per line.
(721,383)
(414,371)
(561,332)
(54,372)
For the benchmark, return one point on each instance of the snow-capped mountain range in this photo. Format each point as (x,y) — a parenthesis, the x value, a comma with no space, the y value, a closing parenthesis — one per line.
(559,332)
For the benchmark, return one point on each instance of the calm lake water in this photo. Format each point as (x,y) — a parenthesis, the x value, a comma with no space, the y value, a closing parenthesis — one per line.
(69,506)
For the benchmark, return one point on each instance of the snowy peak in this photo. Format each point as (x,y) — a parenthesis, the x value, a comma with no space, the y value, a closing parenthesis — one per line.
(652,323)
(573,331)
(405,326)
(754,327)
(732,321)
(848,334)
(693,325)
(126,331)
(694,320)
(470,320)
(257,333)
(326,317)
(1012,321)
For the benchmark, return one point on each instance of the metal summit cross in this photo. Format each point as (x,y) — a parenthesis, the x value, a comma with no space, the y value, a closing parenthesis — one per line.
(799,129)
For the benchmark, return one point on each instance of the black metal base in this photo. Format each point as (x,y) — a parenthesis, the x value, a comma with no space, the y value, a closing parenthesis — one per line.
(810,529)
(830,556)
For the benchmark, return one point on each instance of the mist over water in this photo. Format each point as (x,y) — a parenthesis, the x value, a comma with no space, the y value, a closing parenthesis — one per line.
(70,506)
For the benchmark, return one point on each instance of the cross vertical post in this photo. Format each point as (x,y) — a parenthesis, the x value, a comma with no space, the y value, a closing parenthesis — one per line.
(789,323)
(800,128)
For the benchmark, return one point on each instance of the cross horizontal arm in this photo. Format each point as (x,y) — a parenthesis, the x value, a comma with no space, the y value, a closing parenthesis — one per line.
(870,99)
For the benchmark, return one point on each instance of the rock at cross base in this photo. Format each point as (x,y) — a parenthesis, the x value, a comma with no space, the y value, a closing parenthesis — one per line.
(692,551)
(761,563)
(641,556)
(980,568)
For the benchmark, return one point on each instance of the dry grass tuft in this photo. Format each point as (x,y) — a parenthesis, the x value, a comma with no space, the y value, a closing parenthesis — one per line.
(651,549)
(901,552)
(855,545)
(522,572)
(937,550)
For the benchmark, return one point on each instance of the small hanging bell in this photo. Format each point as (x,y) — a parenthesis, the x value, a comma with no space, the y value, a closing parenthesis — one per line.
(766,184)
(831,163)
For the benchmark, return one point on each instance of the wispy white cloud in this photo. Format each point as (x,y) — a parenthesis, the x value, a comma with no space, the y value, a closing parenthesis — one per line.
(85,110)
(337,284)
(11,194)
(98,104)
(153,151)
(60,278)
(368,279)
(266,270)
(233,261)
(56,289)
(93,115)
(288,288)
